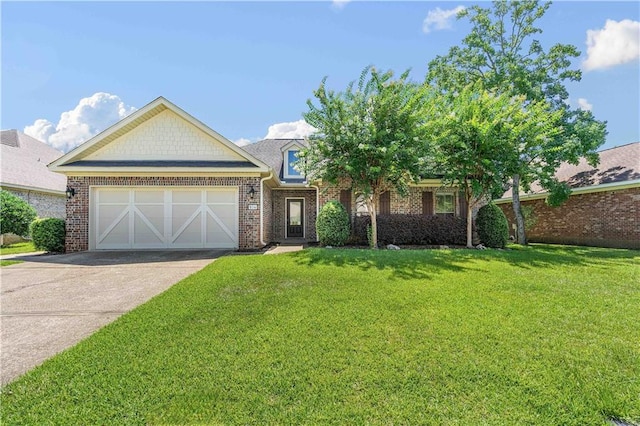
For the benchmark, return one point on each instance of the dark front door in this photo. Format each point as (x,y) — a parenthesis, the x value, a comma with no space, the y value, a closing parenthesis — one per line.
(295,218)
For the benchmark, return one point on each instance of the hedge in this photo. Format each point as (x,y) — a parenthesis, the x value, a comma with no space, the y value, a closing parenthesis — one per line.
(48,234)
(15,214)
(413,229)
(493,228)
(332,225)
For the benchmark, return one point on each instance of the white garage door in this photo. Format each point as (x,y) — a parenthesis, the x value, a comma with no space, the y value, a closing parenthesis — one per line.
(153,218)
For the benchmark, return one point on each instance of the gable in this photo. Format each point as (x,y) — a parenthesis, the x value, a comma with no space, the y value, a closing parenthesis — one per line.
(165,136)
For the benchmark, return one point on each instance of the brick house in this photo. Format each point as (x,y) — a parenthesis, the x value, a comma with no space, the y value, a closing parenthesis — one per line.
(24,173)
(603,209)
(160,178)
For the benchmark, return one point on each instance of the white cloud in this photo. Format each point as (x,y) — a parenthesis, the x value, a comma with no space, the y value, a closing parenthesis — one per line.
(584,105)
(339,4)
(438,19)
(291,130)
(617,43)
(91,116)
(243,141)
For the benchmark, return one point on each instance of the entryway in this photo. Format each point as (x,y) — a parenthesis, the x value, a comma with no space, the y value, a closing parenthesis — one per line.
(295,218)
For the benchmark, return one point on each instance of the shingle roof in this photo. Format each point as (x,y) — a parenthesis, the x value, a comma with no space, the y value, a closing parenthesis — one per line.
(269,151)
(24,163)
(617,165)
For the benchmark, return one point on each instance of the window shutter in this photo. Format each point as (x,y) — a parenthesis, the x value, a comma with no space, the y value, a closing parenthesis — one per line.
(345,200)
(462,202)
(427,203)
(385,203)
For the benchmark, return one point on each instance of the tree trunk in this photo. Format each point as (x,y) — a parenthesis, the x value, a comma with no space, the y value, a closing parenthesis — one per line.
(521,236)
(469,221)
(371,205)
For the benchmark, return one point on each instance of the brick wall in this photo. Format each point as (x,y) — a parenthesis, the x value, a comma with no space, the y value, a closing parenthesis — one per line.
(602,219)
(267,207)
(279,212)
(46,205)
(77,213)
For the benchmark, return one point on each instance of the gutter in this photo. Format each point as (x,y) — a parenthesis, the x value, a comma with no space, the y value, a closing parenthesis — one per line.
(262,207)
(614,186)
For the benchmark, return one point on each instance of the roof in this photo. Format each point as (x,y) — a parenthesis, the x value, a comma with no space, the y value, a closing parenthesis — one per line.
(83,155)
(24,163)
(269,151)
(617,165)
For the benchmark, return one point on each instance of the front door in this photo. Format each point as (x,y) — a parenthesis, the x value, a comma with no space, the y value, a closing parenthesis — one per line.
(295,218)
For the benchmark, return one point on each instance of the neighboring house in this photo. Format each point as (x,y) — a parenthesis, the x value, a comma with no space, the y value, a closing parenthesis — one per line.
(24,173)
(603,209)
(162,179)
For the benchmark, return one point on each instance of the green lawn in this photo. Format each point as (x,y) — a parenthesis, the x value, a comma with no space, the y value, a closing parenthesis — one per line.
(17,248)
(541,335)
(9,262)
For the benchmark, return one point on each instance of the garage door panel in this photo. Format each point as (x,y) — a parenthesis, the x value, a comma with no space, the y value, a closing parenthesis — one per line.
(147,235)
(128,218)
(116,234)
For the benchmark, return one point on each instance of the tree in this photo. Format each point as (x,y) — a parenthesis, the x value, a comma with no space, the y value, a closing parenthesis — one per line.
(474,131)
(369,136)
(15,214)
(501,52)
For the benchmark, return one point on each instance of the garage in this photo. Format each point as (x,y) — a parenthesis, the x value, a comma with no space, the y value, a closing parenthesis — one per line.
(160,218)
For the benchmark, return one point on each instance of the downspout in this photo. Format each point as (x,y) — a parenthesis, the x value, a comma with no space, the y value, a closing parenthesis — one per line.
(317,203)
(262,208)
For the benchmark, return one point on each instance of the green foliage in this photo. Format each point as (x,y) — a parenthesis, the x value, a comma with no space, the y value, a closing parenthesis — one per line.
(493,228)
(48,234)
(333,224)
(370,136)
(501,51)
(15,214)
(361,337)
(17,248)
(530,218)
(558,194)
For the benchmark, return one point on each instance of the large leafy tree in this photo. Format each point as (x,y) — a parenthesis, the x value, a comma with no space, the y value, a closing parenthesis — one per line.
(370,136)
(501,51)
(474,130)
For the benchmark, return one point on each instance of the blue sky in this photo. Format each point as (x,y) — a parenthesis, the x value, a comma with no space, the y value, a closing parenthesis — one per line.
(243,67)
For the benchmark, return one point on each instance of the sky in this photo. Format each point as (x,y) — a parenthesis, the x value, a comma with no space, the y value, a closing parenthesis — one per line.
(247,69)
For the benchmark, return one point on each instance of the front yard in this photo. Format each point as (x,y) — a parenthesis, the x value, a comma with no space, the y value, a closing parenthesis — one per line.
(538,335)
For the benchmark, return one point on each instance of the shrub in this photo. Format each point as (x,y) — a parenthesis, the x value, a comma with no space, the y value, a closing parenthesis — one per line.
(48,234)
(492,225)
(15,214)
(413,229)
(332,225)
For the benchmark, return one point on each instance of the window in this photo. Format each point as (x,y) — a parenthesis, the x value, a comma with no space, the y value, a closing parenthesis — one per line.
(385,203)
(290,158)
(445,204)
(345,200)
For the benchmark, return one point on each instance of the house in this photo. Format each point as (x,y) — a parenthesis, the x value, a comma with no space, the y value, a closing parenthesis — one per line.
(603,209)
(24,173)
(160,178)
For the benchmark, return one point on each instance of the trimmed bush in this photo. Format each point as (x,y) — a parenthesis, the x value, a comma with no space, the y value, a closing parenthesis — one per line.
(15,214)
(332,225)
(492,225)
(413,229)
(48,234)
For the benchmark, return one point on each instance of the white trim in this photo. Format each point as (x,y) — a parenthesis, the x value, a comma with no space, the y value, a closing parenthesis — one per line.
(156,171)
(286,216)
(293,142)
(614,186)
(31,189)
(286,174)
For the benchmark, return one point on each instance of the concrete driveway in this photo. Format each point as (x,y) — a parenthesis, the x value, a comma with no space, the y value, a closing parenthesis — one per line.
(51,302)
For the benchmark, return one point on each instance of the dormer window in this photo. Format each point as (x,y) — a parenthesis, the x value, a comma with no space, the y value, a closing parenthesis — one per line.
(290,158)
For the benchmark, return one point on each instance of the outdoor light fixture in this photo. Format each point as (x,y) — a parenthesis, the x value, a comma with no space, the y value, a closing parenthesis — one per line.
(251,191)
(70,192)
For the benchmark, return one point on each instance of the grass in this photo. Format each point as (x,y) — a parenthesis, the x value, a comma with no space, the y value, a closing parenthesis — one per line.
(18,248)
(541,335)
(9,262)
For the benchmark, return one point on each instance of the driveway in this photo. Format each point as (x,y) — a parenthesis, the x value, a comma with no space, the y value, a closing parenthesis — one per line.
(51,302)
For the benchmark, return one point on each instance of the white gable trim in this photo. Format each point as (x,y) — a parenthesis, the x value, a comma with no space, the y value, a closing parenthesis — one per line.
(143,114)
